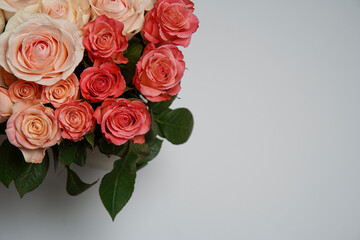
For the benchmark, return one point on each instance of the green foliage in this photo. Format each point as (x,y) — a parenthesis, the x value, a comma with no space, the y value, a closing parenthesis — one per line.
(74,185)
(72,152)
(133,54)
(90,138)
(176,125)
(112,149)
(32,176)
(11,162)
(117,186)
(160,107)
(154,147)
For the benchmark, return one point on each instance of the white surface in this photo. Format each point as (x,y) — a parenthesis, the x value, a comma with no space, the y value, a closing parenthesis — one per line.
(274,88)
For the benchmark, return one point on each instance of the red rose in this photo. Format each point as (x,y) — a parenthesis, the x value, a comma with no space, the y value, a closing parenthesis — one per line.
(99,83)
(159,71)
(122,120)
(104,41)
(76,119)
(171,21)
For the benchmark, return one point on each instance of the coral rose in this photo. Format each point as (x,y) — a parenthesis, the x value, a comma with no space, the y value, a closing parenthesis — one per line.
(40,49)
(32,128)
(130,12)
(5,105)
(99,83)
(64,91)
(123,120)
(76,11)
(23,90)
(10,7)
(75,119)
(171,21)
(104,41)
(159,71)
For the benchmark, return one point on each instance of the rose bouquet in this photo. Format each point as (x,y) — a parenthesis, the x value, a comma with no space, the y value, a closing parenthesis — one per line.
(79,75)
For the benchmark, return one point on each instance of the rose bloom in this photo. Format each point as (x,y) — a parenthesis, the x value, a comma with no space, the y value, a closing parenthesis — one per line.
(99,83)
(10,7)
(75,119)
(171,21)
(159,71)
(40,49)
(5,105)
(104,41)
(23,90)
(64,91)
(76,11)
(123,120)
(32,128)
(130,12)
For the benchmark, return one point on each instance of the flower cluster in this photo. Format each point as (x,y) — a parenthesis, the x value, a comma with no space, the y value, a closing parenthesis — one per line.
(95,73)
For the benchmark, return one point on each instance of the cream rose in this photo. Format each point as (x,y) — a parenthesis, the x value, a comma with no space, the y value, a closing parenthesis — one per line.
(76,11)
(5,105)
(40,49)
(10,7)
(129,12)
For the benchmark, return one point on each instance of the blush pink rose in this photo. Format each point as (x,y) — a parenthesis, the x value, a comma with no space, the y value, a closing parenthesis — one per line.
(159,71)
(32,128)
(24,90)
(5,105)
(104,40)
(170,21)
(64,91)
(40,49)
(122,120)
(99,83)
(76,119)
(10,7)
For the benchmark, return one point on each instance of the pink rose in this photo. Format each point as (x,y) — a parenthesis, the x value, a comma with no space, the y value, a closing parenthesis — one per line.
(99,83)
(64,91)
(159,71)
(32,128)
(5,105)
(75,119)
(23,90)
(171,21)
(10,7)
(104,41)
(123,120)
(130,12)
(40,49)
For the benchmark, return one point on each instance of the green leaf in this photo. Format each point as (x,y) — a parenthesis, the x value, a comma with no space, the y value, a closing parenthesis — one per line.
(90,138)
(133,54)
(141,150)
(159,107)
(152,133)
(11,162)
(74,185)
(155,146)
(117,186)
(72,152)
(109,148)
(32,176)
(176,125)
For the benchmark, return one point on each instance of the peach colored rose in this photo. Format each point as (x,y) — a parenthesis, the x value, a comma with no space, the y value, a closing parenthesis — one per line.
(75,119)
(32,128)
(40,49)
(10,7)
(170,21)
(76,11)
(123,120)
(5,105)
(23,90)
(99,83)
(130,12)
(64,91)
(159,71)
(104,41)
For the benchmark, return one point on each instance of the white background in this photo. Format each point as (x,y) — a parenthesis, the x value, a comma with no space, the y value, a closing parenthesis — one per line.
(275,152)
